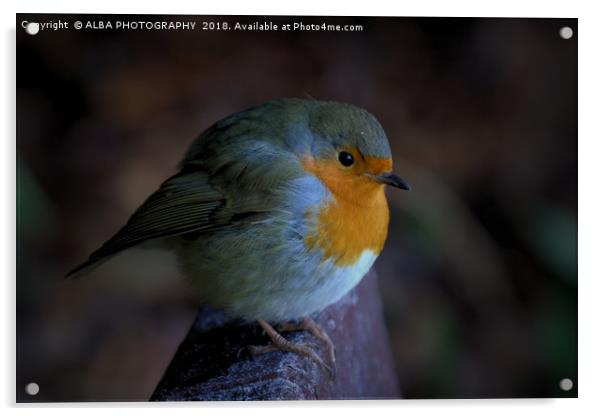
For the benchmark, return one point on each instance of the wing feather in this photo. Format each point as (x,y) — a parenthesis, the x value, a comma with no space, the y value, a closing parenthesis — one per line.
(185,203)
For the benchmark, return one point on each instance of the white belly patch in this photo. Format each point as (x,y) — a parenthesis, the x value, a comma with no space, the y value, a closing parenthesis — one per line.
(331,283)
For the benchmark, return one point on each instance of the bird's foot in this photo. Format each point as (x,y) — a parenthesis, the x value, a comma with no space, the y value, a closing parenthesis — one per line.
(308,324)
(281,343)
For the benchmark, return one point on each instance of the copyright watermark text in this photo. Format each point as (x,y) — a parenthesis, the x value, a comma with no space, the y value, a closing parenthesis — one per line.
(294,25)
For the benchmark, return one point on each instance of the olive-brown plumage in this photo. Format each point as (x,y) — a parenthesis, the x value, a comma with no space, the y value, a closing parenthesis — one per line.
(276,212)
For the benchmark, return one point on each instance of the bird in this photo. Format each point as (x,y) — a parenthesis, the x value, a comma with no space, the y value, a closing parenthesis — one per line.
(276,212)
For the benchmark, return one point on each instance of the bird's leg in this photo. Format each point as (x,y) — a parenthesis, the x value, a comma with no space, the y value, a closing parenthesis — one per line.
(281,343)
(308,324)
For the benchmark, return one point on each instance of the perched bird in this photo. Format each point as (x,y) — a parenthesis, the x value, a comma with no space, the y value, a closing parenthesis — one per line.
(276,213)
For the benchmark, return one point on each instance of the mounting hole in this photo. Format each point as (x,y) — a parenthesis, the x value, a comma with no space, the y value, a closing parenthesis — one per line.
(566,384)
(32,28)
(32,389)
(566,32)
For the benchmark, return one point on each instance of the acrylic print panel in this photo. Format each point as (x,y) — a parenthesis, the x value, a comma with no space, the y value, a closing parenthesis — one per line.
(278,212)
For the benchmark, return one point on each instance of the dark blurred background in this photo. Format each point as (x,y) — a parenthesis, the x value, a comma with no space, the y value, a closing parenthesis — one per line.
(479,274)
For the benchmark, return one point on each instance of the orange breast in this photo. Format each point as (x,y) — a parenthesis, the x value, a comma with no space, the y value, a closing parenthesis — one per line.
(357,218)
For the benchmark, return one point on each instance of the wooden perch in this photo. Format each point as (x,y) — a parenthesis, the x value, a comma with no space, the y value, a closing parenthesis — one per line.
(213,363)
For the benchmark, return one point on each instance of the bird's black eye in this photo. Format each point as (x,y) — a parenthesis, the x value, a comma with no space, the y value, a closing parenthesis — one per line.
(346,158)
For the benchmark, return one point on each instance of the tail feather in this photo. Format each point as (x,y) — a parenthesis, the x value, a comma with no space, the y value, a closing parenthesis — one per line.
(85,268)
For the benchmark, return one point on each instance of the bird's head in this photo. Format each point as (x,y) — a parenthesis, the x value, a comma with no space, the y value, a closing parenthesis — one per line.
(349,152)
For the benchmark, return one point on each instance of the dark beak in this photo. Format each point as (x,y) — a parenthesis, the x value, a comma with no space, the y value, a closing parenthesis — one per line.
(393,180)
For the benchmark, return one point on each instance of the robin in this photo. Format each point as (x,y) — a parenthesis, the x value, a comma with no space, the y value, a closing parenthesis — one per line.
(276,213)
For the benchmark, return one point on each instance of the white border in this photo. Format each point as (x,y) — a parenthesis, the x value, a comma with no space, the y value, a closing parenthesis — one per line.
(590,210)
(508,8)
